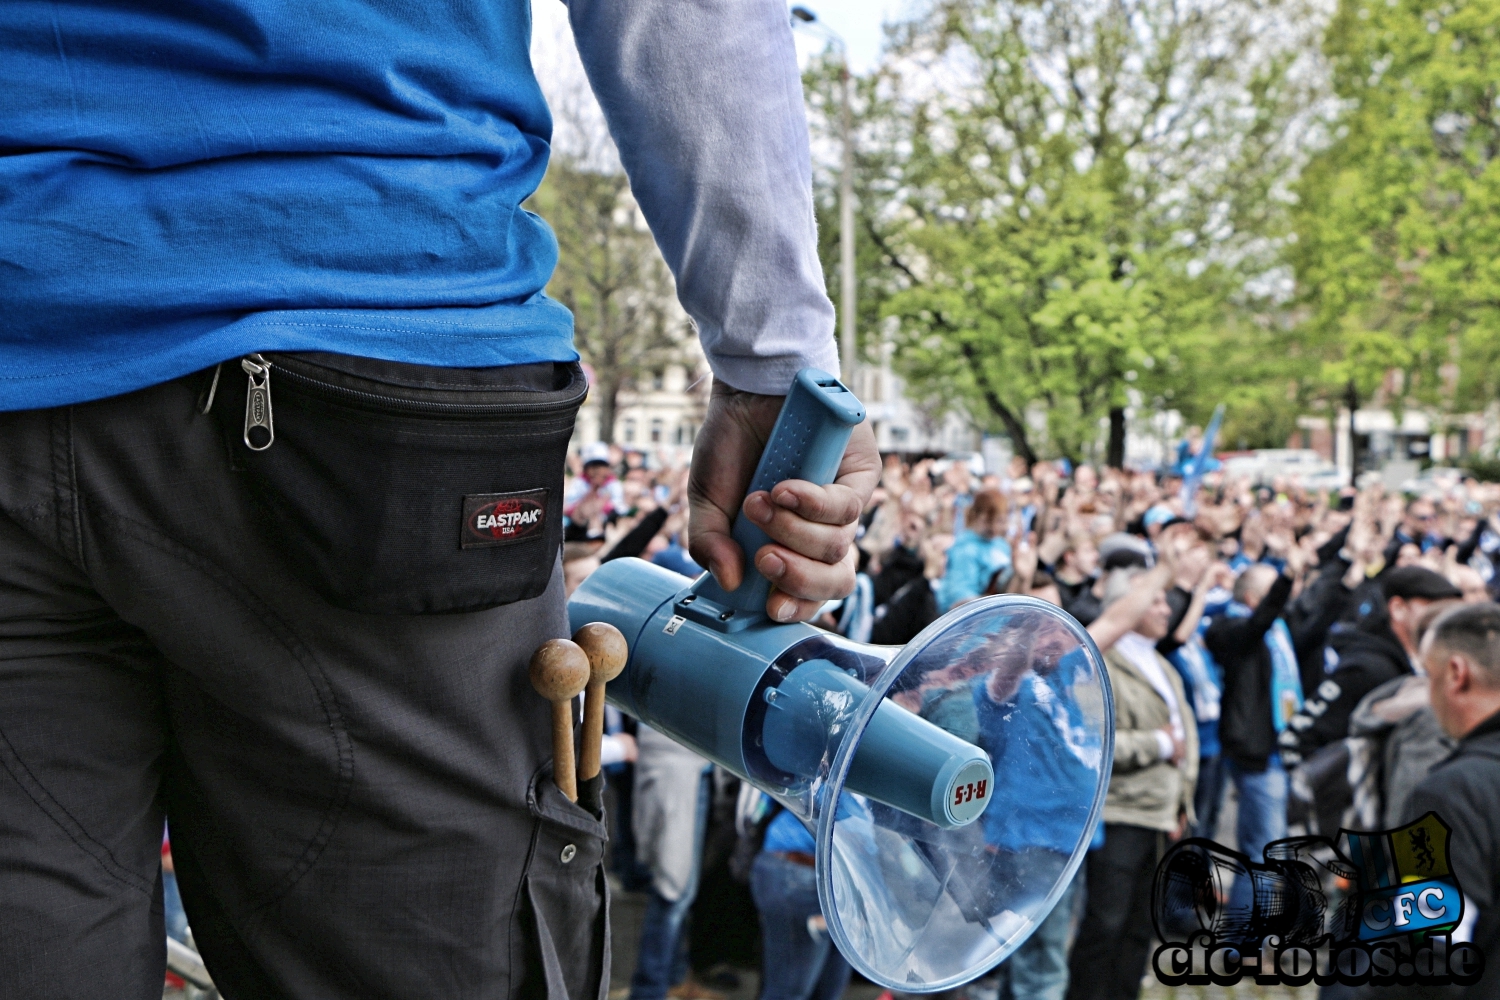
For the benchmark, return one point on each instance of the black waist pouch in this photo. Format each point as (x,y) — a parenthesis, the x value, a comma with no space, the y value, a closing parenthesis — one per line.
(405,489)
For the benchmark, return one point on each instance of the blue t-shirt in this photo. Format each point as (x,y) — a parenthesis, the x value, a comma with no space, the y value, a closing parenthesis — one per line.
(973,560)
(184,183)
(786,833)
(1047,760)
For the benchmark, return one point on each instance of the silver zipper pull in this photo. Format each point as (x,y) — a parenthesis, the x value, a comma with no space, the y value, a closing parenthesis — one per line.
(258,430)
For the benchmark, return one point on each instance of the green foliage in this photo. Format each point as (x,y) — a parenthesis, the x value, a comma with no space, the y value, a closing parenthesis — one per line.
(1064,202)
(1486,470)
(610,274)
(1400,216)
(1256,366)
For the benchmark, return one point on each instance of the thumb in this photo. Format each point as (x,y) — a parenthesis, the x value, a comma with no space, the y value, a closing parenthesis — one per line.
(711,545)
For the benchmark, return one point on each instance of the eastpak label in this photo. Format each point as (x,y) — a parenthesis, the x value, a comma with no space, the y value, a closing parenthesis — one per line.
(503,518)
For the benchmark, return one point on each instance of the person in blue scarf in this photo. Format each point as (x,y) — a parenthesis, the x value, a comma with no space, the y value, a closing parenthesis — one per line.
(1262,690)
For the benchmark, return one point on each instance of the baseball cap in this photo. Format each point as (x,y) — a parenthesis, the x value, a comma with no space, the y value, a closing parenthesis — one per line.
(1159,514)
(1122,550)
(598,452)
(1418,582)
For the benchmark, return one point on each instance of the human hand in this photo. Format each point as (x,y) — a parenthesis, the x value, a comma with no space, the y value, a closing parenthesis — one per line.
(1171,543)
(1296,560)
(1277,544)
(1179,748)
(810,558)
(628,745)
(1025,560)
(1046,478)
(589,511)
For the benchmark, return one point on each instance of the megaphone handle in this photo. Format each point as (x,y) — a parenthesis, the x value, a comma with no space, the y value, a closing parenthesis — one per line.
(807,442)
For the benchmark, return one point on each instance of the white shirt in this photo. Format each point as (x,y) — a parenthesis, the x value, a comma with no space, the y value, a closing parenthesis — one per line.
(1141,652)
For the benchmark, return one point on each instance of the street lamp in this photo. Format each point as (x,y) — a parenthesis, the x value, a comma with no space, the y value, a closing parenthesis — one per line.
(846,199)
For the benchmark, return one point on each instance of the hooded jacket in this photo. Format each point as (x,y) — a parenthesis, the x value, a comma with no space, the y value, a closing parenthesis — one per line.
(1397,715)
(1145,790)
(1355,662)
(1464,791)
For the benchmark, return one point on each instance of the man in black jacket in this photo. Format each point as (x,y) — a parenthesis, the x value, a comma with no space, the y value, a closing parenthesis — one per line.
(1461,654)
(1361,658)
(1260,671)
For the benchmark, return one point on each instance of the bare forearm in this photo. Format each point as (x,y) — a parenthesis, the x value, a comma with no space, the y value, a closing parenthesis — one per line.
(1194,615)
(1122,616)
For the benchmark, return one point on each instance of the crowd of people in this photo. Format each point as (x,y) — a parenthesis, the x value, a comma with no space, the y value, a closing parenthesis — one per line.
(1301,648)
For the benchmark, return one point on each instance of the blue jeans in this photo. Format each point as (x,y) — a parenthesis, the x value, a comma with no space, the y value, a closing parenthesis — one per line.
(1038,970)
(662,959)
(176,916)
(1262,817)
(799,963)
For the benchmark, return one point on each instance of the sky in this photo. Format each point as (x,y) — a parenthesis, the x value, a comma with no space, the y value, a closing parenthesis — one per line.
(578,122)
(857,21)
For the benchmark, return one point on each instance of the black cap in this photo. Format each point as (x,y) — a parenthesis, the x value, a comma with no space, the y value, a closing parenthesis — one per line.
(1417,582)
(1123,551)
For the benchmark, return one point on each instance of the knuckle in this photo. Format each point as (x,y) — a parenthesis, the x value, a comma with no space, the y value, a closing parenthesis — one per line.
(851,508)
(837,547)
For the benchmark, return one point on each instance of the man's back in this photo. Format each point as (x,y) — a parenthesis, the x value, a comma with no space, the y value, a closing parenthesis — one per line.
(1464,791)
(185,183)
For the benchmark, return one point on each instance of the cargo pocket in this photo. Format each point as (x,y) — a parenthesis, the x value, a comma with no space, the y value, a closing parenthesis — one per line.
(405,489)
(565,905)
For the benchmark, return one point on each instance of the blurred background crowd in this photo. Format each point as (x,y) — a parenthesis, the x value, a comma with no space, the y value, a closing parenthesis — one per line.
(1262,640)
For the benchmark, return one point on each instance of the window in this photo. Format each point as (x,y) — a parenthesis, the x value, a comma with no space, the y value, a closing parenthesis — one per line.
(630,432)
(658,380)
(656,426)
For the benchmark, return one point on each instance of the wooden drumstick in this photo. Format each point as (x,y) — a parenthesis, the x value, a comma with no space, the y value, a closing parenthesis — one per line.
(607,653)
(560,672)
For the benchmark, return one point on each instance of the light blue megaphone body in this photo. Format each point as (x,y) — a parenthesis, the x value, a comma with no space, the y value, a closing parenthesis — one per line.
(709,669)
(888,753)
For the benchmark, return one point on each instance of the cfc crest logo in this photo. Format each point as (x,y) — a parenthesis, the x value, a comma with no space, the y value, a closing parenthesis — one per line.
(1376,907)
(502,518)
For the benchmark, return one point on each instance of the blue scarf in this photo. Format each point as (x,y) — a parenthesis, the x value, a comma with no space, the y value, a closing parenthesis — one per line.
(1286,680)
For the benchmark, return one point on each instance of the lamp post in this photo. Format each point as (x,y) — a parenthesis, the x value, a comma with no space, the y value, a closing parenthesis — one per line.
(847,352)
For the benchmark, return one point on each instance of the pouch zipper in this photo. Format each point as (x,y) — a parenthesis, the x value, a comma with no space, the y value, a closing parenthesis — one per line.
(258,401)
(258,368)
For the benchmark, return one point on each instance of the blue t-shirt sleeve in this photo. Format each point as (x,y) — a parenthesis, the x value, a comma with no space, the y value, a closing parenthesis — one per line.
(786,833)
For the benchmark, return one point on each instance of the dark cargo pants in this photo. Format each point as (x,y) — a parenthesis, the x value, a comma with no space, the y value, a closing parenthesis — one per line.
(358,804)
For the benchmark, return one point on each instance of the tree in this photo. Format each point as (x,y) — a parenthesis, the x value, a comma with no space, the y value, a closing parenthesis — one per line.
(1069,199)
(1399,217)
(627,324)
(611,275)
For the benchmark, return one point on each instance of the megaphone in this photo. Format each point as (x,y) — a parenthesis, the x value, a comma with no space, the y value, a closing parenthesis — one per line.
(952,785)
